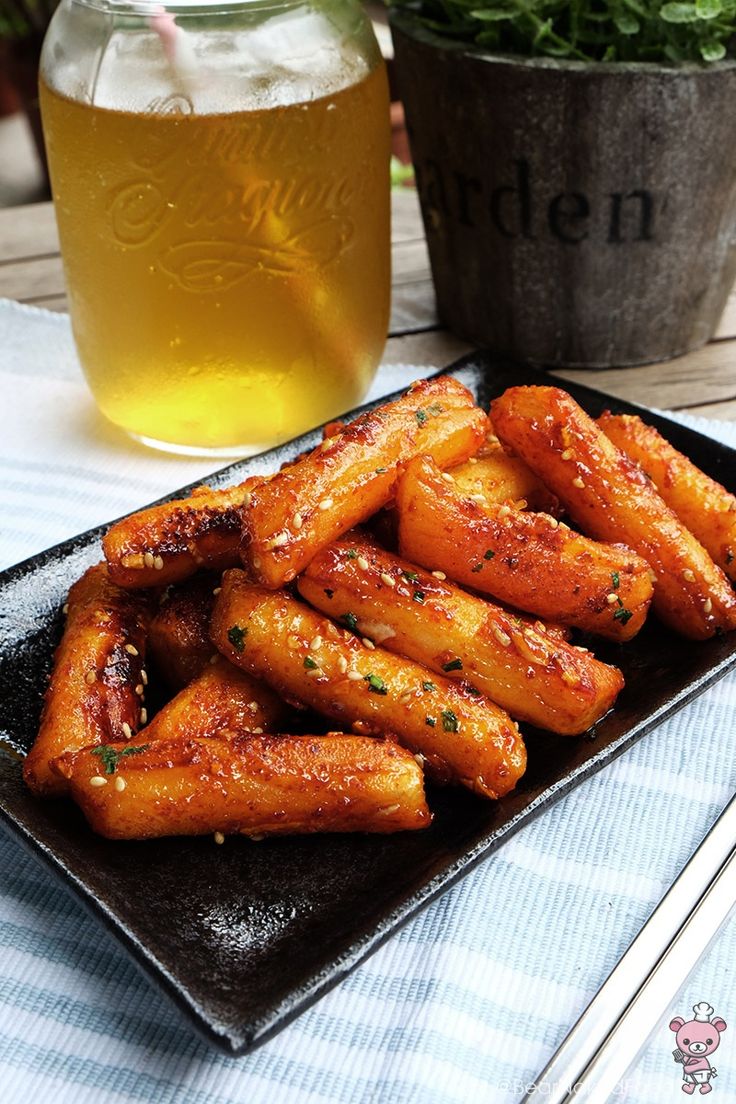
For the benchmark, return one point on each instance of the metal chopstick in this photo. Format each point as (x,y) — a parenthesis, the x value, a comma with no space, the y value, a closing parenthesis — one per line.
(605,1041)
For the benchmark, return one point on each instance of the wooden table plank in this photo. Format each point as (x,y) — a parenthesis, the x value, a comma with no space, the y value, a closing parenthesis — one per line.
(28,231)
(727,325)
(707,376)
(32,278)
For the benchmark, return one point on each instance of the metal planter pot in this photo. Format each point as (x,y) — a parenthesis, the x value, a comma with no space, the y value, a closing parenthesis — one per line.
(576,214)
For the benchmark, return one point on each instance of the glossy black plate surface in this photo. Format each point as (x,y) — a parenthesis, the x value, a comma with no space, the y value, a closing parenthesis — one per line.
(243,937)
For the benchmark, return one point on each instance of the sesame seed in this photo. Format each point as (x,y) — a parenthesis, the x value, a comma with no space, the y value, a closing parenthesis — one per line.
(567,454)
(707,605)
(420,759)
(403,591)
(553,523)
(503,638)
(246,498)
(577,482)
(297,521)
(90,677)
(97,780)
(332,630)
(315,644)
(362,563)
(689,575)
(120,784)
(472,459)
(612,598)
(504,511)
(369,644)
(315,672)
(387,579)
(355,676)
(447,477)
(65,608)
(144,676)
(478,498)
(256,563)
(293,642)
(139,690)
(387,810)
(257,731)
(406,696)
(144,715)
(439,575)
(219,838)
(326,504)
(158,563)
(148,559)
(278,541)
(127,731)
(652,576)
(217,591)
(342,664)
(131,649)
(540,626)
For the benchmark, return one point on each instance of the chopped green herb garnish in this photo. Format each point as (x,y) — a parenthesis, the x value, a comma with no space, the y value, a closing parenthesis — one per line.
(622,615)
(418,596)
(453,665)
(615,579)
(428,686)
(473,690)
(421,417)
(351,554)
(449,721)
(489,554)
(237,636)
(478,567)
(110,756)
(430,722)
(329,593)
(350,620)
(376,684)
(310,663)
(411,576)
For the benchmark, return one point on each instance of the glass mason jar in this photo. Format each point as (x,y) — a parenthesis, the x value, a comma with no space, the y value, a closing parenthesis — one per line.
(220,171)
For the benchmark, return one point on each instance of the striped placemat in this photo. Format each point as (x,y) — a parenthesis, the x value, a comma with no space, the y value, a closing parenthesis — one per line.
(468,1001)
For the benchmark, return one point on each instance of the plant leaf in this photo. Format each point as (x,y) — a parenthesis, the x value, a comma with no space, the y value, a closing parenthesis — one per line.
(627,23)
(712,51)
(677,12)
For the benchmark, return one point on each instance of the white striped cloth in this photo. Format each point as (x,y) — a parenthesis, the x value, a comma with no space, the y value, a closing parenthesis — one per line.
(469,1000)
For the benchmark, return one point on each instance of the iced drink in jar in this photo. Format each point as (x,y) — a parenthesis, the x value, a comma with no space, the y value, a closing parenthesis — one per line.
(221,189)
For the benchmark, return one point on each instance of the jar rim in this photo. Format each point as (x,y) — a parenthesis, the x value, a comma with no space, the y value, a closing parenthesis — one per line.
(148,8)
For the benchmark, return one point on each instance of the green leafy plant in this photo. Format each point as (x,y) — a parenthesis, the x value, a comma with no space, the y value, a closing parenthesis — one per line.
(587,30)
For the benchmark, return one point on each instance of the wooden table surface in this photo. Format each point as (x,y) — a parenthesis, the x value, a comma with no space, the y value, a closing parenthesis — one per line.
(703,382)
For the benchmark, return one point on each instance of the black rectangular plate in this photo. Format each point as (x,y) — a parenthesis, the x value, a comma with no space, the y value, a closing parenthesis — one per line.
(244,937)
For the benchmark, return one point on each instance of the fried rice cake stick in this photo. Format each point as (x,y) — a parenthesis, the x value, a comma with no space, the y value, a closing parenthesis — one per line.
(609,497)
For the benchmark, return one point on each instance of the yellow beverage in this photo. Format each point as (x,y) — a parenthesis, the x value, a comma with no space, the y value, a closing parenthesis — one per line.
(228,274)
